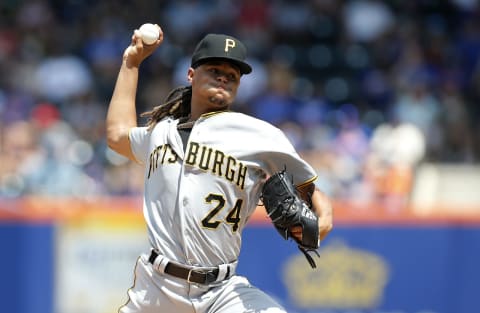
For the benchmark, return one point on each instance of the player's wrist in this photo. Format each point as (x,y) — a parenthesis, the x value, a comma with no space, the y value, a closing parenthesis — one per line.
(325,225)
(130,64)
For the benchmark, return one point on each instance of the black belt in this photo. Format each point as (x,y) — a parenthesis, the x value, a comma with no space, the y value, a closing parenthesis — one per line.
(204,277)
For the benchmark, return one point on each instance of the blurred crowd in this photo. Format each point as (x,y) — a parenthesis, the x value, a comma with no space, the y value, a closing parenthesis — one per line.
(366,90)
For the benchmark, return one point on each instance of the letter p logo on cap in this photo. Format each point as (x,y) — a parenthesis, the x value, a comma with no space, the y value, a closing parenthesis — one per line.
(229,43)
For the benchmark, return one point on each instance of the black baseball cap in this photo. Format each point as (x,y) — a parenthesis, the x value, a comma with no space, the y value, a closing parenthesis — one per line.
(223,47)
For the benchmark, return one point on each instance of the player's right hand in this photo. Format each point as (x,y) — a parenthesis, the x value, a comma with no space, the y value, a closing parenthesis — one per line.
(137,51)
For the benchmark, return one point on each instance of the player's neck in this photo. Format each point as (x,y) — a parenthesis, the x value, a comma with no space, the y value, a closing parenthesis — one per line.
(198,107)
(195,114)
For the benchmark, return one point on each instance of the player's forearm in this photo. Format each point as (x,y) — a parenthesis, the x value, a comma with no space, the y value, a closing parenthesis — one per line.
(323,207)
(121,115)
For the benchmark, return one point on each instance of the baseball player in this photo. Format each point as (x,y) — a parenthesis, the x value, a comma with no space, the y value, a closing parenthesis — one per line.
(204,170)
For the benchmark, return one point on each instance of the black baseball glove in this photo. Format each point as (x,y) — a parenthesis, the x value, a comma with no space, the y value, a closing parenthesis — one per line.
(286,209)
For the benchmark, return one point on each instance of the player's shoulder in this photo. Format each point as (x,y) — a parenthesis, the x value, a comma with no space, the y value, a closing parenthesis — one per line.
(249,121)
(165,122)
(243,116)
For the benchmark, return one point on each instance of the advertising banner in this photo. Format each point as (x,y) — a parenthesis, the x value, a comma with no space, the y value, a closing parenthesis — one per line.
(374,269)
(95,258)
(374,261)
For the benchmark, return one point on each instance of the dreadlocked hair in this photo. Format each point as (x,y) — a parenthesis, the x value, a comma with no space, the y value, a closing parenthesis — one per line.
(177,104)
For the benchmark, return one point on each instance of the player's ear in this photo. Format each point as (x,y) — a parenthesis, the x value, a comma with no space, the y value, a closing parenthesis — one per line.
(190,73)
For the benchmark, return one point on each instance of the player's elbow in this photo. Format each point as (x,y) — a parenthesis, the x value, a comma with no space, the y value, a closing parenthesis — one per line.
(113,136)
(117,139)
(113,142)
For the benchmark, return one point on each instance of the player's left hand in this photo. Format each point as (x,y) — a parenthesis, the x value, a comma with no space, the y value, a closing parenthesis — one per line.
(322,205)
(325,225)
(296,232)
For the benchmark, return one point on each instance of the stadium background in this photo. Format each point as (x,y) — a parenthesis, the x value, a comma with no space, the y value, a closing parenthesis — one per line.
(380,96)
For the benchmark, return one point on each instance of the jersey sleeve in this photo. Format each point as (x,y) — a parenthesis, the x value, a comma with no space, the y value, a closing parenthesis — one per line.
(279,154)
(139,142)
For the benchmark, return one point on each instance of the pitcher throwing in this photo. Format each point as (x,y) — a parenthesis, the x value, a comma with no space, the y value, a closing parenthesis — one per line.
(205,167)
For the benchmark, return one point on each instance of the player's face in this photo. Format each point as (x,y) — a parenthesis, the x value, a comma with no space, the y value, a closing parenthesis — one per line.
(214,84)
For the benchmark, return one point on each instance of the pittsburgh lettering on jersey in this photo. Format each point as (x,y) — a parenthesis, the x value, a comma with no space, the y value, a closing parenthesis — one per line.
(161,155)
(217,163)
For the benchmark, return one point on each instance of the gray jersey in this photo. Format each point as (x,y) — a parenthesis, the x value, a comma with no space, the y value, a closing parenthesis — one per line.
(198,198)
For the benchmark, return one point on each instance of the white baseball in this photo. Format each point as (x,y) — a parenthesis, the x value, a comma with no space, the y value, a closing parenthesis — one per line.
(149,32)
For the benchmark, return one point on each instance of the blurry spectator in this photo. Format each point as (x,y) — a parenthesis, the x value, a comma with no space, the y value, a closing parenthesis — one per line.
(62,77)
(101,50)
(474,112)
(85,114)
(56,169)
(19,151)
(183,16)
(421,109)
(395,152)
(294,132)
(456,126)
(252,86)
(351,138)
(254,16)
(350,147)
(290,20)
(366,20)
(34,14)
(415,100)
(376,90)
(276,105)
(15,105)
(397,63)
(125,179)
(418,106)
(254,24)
(312,115)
